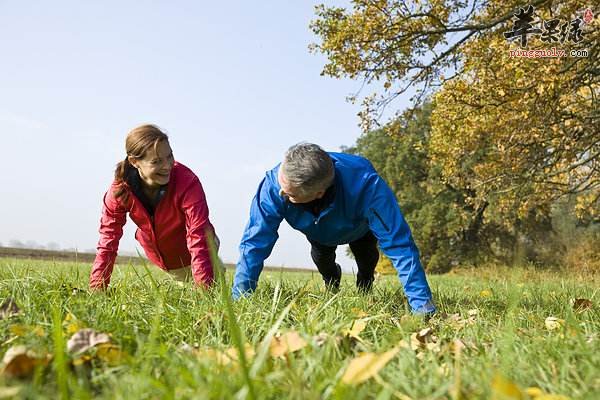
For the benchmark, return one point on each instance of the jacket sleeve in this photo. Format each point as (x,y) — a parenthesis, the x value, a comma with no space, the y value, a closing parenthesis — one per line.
(258,239)
(395,239)
(113,218)
(198,227)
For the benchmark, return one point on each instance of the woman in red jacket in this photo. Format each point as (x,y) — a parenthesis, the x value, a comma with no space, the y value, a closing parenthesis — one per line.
(166,201)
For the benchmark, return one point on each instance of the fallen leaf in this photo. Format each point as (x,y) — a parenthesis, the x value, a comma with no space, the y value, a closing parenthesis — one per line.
(581,305)
(358,313)
(8,308)
(227,357)
(553,323)
(82,360)
(20,362)
(504,389)
(320,339)
(287,343)
(85,339)
(9,392)
(457,346)
(358,326)
(366,366)
(22,330)
(233,353)
(110,353)
(485,293)
(72,324)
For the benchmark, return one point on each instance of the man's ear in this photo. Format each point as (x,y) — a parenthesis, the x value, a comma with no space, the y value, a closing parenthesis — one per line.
(132,161)
(320,194)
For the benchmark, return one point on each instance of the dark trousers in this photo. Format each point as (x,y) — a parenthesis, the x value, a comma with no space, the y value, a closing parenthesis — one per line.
(365,253)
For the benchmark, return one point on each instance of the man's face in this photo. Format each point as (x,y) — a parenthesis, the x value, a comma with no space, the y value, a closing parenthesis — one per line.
(293,194)
(155,168)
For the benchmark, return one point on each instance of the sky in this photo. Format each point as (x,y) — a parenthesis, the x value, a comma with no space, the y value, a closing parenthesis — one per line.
(232,83)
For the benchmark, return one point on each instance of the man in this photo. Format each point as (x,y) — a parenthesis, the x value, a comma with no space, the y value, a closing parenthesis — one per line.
(333,198)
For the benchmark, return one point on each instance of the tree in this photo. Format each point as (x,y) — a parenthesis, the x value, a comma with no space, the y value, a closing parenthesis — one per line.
(513,134)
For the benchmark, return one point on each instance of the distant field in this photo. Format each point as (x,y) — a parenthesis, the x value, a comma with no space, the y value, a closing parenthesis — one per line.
(491,338)
(49,255)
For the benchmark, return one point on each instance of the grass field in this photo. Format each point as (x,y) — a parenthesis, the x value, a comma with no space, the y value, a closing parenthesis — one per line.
(491,338)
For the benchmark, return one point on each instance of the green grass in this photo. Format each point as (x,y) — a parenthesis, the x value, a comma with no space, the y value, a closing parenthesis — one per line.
(150,319)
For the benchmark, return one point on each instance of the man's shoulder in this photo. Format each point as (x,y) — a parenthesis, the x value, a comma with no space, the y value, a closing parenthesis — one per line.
(352,163)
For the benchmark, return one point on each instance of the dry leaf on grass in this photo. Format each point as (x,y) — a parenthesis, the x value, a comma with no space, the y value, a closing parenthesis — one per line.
(227,357)
(72,325)
(505,389)
(20,362)
(85,339)
(22,330)
(366,366)
(485,293)
(320,339)
(358,326)
(9,392)
(8,308)
(358,313)
(287,343)
(581,305)
(110,353)
(553,323)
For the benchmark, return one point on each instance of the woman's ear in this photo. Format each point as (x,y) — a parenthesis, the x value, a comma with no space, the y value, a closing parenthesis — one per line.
(132,161)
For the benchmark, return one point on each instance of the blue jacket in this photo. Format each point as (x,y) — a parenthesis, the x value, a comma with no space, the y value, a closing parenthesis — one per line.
(362,202)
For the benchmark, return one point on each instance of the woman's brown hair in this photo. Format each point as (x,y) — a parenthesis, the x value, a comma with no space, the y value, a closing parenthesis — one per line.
(139,140)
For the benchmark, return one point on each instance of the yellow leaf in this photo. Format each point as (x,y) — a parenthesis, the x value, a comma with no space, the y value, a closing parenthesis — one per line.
(485,293)
(534,392)
(18,329)
(504,389)
(72,324)
(357,327)
(359,313)
(9,392)
(227,357)
(233,352)
(287,343)
(110,353)
(22,330)
(366,366)
(553,323)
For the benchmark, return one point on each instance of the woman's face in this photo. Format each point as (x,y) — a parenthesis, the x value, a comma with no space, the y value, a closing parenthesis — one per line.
(155,168)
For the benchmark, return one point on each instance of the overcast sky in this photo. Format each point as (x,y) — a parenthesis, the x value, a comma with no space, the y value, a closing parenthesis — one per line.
(232,83)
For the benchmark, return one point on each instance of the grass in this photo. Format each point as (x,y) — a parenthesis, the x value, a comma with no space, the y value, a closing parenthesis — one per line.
(151,318)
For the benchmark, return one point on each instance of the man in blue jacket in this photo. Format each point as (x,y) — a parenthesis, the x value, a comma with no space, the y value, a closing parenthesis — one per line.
(333,198)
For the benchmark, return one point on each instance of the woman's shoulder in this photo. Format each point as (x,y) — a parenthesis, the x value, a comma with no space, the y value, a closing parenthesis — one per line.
(181,173)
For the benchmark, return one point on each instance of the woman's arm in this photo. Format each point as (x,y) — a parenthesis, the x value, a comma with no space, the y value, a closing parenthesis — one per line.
(198,227)
(113,218)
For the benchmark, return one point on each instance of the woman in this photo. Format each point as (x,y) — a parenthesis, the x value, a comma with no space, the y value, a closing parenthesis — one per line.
(166,201)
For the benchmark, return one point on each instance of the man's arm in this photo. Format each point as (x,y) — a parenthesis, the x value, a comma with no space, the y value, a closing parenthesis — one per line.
(258,239)
(395,239)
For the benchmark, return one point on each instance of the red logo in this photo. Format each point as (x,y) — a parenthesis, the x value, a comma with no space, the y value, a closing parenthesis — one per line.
(588,16)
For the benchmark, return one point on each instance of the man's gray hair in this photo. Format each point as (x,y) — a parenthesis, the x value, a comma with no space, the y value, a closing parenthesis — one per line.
(308,167)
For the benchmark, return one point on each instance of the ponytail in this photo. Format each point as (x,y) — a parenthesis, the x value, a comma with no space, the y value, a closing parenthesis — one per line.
(121,172)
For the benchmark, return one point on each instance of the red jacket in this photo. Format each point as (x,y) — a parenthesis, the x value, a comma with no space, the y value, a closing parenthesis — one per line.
(176,239)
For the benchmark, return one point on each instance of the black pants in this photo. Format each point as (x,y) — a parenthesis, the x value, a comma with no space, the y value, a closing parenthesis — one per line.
(365,253)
